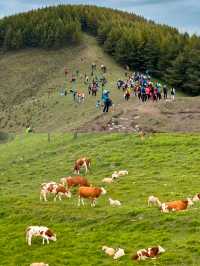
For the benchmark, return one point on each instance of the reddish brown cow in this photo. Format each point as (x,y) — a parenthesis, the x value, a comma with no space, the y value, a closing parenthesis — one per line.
(75,181)
(82,162)
(178,205)
(91,193)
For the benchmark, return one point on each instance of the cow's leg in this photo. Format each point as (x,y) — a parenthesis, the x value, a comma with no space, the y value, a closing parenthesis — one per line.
(79,201)
(29,240)
(82,201)
(40,196)
(43,240)
(93,202)
(45,196)
(85,165)
(55,197)
(59,197)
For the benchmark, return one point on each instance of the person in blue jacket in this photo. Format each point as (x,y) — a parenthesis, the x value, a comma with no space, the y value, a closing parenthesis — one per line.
(106,100)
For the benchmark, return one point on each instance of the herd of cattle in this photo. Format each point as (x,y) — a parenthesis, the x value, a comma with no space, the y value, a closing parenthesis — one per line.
(87,191)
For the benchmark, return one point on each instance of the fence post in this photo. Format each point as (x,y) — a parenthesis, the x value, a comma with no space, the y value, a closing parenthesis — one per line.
(49,137)
(75,135)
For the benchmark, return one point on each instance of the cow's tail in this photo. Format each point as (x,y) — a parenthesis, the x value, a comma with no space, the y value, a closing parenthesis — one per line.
(27,233)
(135,257)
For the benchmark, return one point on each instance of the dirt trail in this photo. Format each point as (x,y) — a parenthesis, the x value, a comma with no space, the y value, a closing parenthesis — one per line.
(181,115)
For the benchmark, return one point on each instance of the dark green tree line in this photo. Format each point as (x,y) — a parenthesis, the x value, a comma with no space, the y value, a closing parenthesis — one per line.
(130,39)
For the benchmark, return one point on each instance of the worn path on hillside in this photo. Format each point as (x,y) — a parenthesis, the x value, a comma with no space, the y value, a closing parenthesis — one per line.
(182,115)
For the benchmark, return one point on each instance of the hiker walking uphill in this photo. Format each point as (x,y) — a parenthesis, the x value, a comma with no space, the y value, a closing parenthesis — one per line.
(106,100)
(165,91)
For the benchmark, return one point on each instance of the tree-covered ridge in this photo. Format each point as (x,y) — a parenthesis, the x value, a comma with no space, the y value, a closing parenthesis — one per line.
(130,39)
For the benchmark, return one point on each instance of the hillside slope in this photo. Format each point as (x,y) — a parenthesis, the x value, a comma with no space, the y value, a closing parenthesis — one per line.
(164,165)
(33,72)
(27,76)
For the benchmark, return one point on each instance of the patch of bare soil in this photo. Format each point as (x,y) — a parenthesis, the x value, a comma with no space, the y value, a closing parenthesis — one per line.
(181,115)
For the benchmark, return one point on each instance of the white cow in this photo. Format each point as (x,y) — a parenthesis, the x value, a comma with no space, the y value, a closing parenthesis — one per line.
(114,202)
(40,231)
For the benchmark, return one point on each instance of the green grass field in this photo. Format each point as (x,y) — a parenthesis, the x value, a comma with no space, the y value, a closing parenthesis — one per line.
(164,165)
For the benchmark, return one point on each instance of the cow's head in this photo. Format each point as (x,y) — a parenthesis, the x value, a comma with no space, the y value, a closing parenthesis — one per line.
(53,237)
(196,197)
(160,250)
(103,191)
(68,194)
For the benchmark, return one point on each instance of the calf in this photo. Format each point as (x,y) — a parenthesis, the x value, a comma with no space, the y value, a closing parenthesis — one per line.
(91,193)
(178,205)
(57,189)
(154,201)
(40,231)
(108,180)
(119,253)
(119,173)
(114,202)
(75,181)
(108,251)
(82,162)
(143,254)
(61,191)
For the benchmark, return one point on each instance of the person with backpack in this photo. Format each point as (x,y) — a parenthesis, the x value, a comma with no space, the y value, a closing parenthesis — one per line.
(106,100)
(165,91)
(173,92)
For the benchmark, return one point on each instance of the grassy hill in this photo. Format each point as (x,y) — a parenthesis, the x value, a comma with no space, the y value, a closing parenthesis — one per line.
(27,76)
(32,72)
(163,165)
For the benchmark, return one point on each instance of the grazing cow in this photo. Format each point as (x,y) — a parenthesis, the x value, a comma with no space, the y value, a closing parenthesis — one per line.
(82,162)
(57,189)
(178,205)
(40,231)
(91,193)
(119,173)
(75,181)
(39,264)
(114,202)
(108,180)
(154,201)
(196,197)
(143,254)
(108,251)
(119,253)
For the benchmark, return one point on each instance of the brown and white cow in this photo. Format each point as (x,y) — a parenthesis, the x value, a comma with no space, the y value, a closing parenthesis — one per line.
(57,189)
(75,181)
(91,193)
(82,162)
(40,231)
(144,254)
(178,205)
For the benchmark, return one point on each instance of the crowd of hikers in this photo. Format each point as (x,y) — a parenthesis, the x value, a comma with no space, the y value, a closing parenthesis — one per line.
(96,84)
(142,86)
(136,84)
